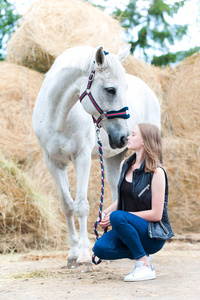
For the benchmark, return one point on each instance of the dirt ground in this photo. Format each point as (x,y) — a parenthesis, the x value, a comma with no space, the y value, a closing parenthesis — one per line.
(44,276)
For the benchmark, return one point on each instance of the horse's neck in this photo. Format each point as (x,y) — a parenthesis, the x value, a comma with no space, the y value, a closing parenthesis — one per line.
(63,94)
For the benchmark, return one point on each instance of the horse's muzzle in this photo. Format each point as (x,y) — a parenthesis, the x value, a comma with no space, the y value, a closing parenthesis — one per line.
(117,142)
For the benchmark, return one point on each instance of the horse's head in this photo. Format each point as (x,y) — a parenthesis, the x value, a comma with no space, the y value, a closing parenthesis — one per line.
(106,90)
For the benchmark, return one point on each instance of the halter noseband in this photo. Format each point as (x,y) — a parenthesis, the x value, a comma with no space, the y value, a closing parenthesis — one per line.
(122,113)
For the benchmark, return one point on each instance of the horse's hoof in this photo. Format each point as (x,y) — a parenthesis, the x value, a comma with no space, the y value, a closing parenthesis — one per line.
(71,263)
(84,267)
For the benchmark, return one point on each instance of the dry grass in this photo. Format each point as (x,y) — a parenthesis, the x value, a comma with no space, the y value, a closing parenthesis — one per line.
(27,219)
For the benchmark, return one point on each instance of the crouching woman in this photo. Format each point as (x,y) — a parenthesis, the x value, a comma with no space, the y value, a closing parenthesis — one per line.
(139,217)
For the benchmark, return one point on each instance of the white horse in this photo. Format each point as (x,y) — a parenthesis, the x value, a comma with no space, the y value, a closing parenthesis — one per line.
(65,130)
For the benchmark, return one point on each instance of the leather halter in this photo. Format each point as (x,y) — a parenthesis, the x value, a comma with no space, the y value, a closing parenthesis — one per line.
(122,113)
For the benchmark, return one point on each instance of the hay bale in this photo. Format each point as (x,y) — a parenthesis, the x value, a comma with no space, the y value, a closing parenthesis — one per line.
(148,73)
(50,27)
(181,109)
(27,219)
(19,88)
(182,160)
(180,128)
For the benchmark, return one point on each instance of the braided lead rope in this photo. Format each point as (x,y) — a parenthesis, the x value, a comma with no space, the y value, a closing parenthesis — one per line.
(102,194)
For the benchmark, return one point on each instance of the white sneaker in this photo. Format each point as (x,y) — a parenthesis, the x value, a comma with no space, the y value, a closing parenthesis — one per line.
(140,273)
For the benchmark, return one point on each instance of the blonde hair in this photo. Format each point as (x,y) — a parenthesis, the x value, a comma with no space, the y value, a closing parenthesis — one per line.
(151,136)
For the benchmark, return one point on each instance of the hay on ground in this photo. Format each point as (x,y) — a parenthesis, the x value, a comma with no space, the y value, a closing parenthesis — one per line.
(50,27)
(27,220)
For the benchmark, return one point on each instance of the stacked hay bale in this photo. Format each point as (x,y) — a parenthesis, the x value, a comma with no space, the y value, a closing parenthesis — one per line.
(50,27)
(180,127)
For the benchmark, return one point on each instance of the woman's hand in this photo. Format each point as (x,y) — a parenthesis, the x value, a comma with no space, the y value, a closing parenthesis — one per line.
(105,221)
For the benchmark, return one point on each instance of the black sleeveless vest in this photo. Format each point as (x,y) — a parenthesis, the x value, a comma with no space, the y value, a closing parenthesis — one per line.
(141,190)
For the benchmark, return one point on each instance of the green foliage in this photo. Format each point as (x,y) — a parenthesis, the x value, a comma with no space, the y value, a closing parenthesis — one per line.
(8,22)
(173,57)
(150,26)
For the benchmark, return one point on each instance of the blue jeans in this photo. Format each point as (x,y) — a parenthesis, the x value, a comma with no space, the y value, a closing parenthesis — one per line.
(127,239)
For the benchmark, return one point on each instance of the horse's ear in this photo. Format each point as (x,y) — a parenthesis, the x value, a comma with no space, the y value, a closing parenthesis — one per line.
(99,57)
(124,52)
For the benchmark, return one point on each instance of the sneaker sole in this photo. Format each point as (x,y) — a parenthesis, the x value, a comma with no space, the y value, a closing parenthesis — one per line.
(139,279)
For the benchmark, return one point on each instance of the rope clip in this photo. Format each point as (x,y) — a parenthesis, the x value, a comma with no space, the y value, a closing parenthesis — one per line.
(98,133)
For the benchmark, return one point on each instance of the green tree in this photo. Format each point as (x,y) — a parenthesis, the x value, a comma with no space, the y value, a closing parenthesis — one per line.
(149,25)
(8,22)
(169,58)
(154,26)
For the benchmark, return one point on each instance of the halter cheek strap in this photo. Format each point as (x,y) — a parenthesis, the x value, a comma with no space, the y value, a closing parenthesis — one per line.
(122,113)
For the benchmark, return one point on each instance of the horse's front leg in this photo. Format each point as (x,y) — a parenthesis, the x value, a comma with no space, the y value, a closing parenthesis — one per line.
(82,165)
(59,175)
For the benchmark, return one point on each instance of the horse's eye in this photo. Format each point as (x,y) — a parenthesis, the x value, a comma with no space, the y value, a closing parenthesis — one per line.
(111,90)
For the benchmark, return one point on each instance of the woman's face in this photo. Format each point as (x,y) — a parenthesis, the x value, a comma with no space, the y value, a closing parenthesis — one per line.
(135,141)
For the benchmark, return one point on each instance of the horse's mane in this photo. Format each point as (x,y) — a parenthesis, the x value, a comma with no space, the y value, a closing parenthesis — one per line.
(82,57)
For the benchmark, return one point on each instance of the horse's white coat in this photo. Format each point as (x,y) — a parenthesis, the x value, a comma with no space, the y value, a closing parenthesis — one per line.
(66,132)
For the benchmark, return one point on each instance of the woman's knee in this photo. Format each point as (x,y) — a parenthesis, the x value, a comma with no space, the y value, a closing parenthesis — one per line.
(117,217)
(98,249)
(114,217)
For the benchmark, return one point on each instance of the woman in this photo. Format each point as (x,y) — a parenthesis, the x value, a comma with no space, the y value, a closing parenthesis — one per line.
(139,218)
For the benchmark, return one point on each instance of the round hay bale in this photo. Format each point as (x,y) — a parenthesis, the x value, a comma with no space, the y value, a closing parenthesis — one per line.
(19,88)
(181,109)
(50,27)
(27,219)
(182,160)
